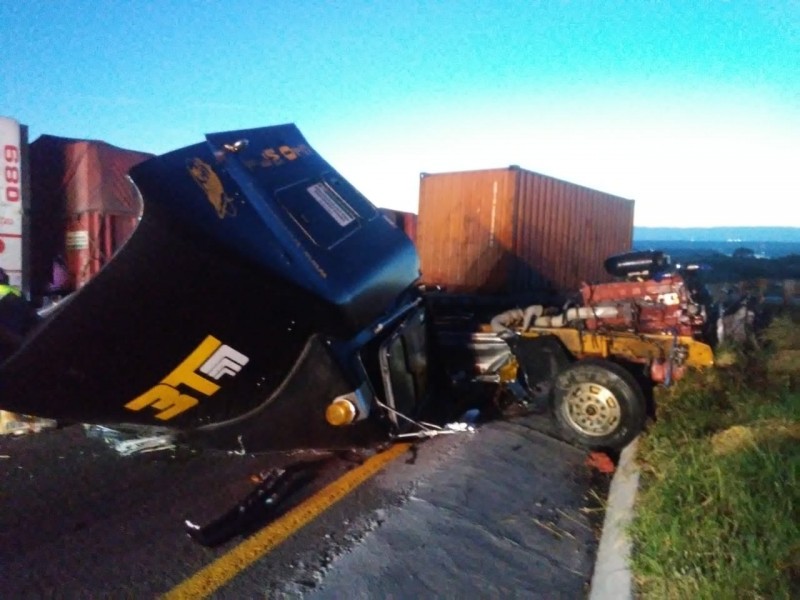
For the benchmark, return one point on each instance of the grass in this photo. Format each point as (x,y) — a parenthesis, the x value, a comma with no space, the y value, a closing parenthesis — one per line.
(718,511)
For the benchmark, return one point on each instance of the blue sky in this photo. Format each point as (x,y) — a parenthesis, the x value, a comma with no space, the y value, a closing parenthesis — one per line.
(690,108)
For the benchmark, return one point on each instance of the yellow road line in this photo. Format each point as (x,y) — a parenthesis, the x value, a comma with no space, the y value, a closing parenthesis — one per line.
(226,567)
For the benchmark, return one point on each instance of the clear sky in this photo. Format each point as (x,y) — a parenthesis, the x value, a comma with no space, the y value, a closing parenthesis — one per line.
(690,108)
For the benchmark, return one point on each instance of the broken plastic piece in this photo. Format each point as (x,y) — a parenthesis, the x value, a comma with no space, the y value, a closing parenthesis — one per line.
(141,445)
(600,461)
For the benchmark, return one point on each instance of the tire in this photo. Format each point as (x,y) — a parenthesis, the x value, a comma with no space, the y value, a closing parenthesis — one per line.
(599,405)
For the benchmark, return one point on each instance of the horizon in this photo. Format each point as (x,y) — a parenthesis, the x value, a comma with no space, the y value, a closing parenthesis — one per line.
(724,227)
(691,111)
(765,242)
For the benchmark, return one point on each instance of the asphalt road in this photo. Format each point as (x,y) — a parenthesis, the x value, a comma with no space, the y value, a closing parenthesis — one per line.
(506,506)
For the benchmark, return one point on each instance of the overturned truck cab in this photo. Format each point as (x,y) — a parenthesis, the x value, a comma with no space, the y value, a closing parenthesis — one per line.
(261,304)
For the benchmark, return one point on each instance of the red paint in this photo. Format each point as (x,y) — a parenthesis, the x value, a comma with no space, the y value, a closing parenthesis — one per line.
(663,306)
(78,185)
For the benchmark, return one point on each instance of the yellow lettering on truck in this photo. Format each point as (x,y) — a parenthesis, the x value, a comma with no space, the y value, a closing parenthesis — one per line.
(212,359)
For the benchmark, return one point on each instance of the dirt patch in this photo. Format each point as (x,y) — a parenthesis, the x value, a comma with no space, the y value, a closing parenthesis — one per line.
(739,437)
(785,363)
(732,440)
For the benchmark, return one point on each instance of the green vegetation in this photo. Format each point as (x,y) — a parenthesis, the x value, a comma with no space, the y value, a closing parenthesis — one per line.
(726,268)
(718,512)
(740,267)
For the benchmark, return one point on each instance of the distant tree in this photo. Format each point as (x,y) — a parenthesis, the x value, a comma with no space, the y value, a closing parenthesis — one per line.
(744,253)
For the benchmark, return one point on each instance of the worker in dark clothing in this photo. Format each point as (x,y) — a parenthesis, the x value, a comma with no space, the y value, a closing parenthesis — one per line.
(16,316)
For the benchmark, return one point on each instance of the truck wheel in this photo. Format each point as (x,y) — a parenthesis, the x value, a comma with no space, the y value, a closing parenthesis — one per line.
(598,404)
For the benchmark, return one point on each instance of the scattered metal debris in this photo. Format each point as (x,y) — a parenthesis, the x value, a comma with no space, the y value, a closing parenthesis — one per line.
(127,443)
(429,430)
(154,443)
(106,434)
(426,430)
(241,451)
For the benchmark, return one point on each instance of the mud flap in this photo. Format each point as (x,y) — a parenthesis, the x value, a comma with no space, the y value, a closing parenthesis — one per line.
(541,357)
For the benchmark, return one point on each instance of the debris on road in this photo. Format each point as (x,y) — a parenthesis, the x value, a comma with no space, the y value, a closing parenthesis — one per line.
(126,443)
(259,507)
(16,424)
(429,430)
(600,461)
(154,443)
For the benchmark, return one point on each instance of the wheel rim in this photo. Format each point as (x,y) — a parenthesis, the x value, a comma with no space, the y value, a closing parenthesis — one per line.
(592,409)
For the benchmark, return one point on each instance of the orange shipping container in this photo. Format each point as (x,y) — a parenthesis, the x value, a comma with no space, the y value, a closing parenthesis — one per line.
(509,231)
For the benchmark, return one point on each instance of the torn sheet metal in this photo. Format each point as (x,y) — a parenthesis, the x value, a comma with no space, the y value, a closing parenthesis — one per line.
(126,444)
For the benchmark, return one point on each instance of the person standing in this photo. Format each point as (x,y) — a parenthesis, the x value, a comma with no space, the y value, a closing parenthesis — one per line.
(16,316)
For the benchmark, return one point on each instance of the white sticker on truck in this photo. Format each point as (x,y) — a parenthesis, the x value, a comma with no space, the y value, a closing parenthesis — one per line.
(78,239)
(333,204)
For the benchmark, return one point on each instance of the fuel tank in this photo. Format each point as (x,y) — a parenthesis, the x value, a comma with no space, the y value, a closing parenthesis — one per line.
(254,279)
